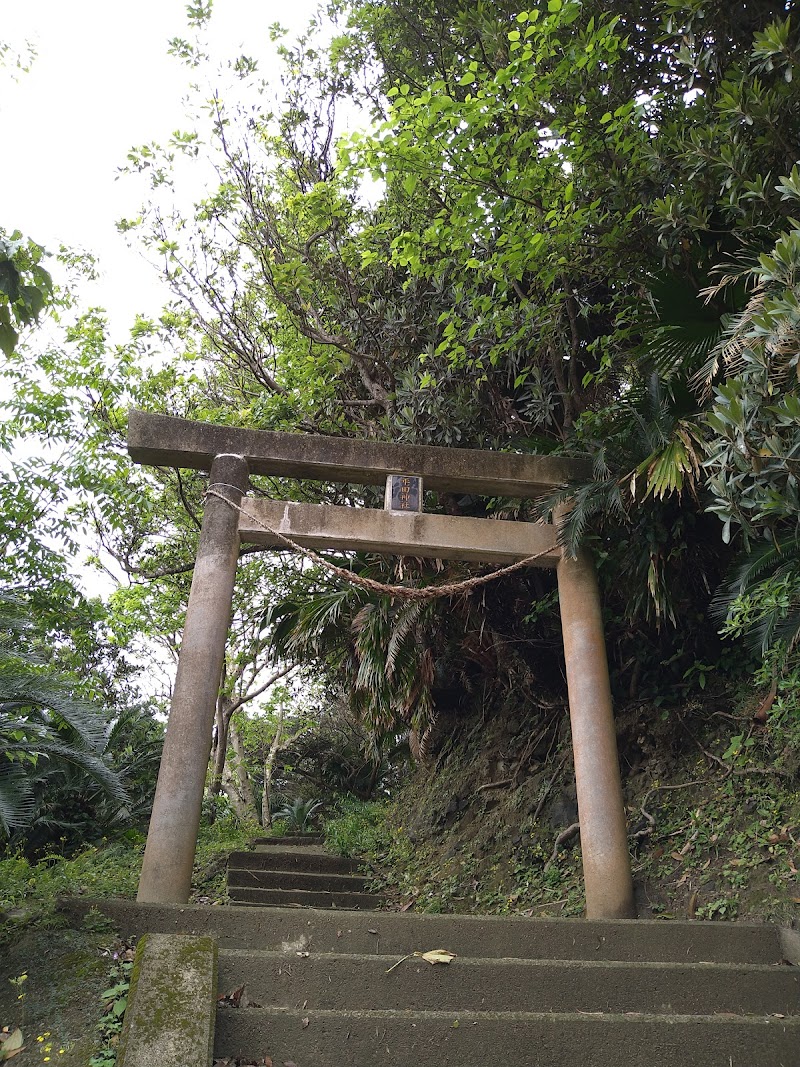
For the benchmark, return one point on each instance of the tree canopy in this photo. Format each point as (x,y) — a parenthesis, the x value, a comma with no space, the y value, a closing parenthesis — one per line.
(566,229)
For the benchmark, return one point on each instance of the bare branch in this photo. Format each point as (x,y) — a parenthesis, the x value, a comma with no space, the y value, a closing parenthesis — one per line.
(257,692)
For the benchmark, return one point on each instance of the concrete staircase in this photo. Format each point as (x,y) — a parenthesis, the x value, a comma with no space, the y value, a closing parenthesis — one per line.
(296,871)
(323,990)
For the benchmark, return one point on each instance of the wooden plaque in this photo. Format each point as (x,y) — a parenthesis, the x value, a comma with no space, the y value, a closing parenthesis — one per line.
(404,492)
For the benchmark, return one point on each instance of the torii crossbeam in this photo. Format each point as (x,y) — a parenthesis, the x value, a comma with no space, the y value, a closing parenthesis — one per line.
(231,455)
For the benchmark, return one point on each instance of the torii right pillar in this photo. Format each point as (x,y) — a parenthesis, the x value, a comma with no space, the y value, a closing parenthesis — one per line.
(601,810)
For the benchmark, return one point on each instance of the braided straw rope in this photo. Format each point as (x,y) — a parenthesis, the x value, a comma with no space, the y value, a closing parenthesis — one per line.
(430,592)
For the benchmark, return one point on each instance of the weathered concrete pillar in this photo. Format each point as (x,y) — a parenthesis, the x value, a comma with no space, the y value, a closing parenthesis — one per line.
(172,837)
(172,1003)
(604,842)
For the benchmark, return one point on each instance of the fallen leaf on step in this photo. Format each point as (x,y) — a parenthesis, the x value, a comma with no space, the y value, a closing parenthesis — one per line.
(305,1022)
(11,1044)
(289,1063)
(268,1061)
(437,955)
(237,998)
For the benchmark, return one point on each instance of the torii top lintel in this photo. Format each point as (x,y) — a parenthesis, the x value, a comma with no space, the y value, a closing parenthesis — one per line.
(166,441)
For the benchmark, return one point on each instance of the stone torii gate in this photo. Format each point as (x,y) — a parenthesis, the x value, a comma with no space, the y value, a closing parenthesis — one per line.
(231,455)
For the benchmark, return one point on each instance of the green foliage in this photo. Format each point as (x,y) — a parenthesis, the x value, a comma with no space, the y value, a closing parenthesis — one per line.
(357,828)
(340,756)
(32,888)
(551,196)
(226,833)
(762,602)
(385,647)
(298,815)
(44,727)
(753,454)
(755,414)
(511,250)
(114,1001)
(26,288)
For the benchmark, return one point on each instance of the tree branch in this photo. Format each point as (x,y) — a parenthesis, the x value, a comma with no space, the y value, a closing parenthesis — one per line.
(257,692)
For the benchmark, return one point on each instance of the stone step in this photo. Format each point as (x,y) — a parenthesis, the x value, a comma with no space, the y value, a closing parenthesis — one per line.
(512,1039)
(301,898)
(394,934)
(299,859)
(337,981)
(290,839)
(302,881)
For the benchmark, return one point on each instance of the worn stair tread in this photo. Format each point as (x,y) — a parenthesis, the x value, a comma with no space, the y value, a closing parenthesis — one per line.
(325,881)
(335,981)
(392,1038)
(316,899)
(720,1019)
(310,858)
(290,839)
(383,958)
(303,849)
(338,980)
(237,926)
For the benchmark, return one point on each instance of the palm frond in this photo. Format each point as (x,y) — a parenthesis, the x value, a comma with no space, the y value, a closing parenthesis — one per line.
(775,619)
(91,763)
(17,803)
(50,698)
(405,621)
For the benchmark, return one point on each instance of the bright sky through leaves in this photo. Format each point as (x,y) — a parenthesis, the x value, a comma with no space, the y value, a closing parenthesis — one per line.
(101,82)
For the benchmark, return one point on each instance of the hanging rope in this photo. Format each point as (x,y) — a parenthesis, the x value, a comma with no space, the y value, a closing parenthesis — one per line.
(430,592)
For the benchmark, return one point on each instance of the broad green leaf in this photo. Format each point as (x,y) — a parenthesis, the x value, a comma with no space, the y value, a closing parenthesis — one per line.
(8,339)
(9,280)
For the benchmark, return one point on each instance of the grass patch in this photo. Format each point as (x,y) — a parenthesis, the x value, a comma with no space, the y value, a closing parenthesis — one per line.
(358,828)
(215,840)
(29,890)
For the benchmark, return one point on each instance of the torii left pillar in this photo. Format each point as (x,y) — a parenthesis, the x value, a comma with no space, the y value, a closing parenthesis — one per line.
(175,822)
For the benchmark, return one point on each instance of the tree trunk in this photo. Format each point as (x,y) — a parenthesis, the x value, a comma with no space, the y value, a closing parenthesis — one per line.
(240,767)
(234,780)
(224,710)
(220,747)
(230,787)
(269,764)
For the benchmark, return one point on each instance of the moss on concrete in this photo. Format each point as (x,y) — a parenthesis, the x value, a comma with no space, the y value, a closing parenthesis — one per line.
(172,1002)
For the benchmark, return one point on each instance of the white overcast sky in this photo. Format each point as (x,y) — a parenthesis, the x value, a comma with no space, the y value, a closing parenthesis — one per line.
(101,82)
